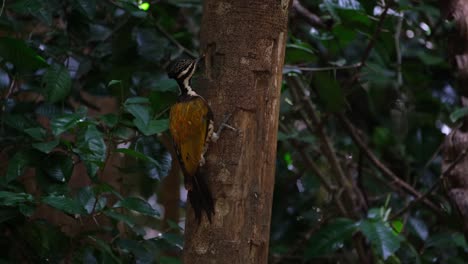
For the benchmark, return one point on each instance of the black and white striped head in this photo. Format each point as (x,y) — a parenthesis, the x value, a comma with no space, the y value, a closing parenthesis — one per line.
(182,69)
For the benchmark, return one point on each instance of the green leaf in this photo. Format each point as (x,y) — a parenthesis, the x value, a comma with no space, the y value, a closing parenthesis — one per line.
(330,238)
(430,59)
(37,133)
(18,122)
(40,9)
(136,154)
(16,166)
(105,248)
(114,82)
(23,57)
(110,120)
(64,204)
(66,122)
(44,240)
(87,7)
(139,108)
(153,127)
(92,149)
(137,205)
(397,226)
(446,240)
(58,166)
(150,147)
(299,52)
(14,198)
(381,236)
(46,147)
(459,113)
(7,214)
(329,91)
(90,201)
(129,221)
(57,83)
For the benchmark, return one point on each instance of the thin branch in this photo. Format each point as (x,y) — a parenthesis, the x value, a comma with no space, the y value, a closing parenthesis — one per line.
(310,17)
(317,69)
(398,49)
(433,187)
(377,163)
(175,42)
(3,7)
(370,45)
(315,127)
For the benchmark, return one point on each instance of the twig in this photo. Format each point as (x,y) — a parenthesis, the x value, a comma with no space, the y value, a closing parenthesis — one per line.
(370,45)
(3,7)
(398,49)
(312,69)
(310,17)
(433,187)
(175,42)
(297,93)
(386,171)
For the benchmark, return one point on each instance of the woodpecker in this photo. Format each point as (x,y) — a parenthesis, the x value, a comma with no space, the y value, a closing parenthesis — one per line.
(192,127)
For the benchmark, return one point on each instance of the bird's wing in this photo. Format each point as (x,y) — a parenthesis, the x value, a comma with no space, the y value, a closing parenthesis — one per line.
(188,125)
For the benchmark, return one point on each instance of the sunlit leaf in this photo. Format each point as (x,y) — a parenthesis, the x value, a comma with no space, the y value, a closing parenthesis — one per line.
(23,57)
(381,236)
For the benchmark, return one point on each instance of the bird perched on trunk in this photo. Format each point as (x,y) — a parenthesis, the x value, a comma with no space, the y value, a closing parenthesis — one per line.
(192,127)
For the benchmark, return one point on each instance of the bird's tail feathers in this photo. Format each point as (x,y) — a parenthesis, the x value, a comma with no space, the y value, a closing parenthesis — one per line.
(200,197)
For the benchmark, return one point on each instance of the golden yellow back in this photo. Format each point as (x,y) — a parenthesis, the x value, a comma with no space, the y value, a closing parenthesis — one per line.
(188,125)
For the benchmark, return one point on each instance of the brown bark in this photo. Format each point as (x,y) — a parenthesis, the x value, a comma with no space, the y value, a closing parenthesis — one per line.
(244,44)
(457,142)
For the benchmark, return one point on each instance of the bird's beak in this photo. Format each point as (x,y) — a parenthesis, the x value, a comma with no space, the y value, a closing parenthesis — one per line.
(200,59)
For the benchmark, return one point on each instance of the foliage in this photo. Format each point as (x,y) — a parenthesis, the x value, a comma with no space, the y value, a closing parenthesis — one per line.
(84,98)
(385,80)
(84,101)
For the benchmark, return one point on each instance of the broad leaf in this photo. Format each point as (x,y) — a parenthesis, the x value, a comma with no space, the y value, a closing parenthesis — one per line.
(57,83)
(137,205)
(329,91)
(14,198)
(153,127)
(330,237)
(87,7)
(150,147)
(46,147)
(90,201)
(58,167)
(17,165)
(128,220)
(65,204)
(65,123)
(381,236)
(91,148)
(23,57)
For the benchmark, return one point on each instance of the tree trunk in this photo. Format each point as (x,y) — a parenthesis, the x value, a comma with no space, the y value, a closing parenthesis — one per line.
(456,144)
(244,44)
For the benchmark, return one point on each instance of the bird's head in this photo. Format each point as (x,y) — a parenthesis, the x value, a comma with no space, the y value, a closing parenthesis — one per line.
(182,69)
